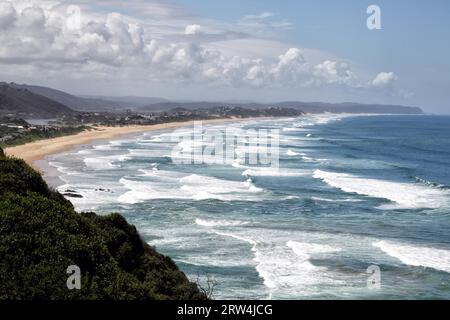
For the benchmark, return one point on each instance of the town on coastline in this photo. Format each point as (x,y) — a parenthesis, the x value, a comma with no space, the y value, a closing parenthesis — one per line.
(29,113)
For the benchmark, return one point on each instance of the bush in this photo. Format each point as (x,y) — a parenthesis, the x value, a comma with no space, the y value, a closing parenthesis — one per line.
(41,235)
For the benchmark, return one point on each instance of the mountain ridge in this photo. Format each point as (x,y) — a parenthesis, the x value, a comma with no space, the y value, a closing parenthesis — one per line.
(308,107)
(74,102)
(29,98)
(21,101)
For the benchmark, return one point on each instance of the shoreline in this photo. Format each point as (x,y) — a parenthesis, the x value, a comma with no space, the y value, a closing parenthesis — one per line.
(35,153)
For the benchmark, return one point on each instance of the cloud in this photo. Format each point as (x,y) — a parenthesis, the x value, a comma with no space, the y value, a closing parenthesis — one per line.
(143,9)
(192,29)
(334,72)
(265,23)
(384,79)
(291,68)
(41,40)
(7,15)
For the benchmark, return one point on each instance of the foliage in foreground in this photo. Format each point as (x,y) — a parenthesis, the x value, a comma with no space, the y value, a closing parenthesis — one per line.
(41,235)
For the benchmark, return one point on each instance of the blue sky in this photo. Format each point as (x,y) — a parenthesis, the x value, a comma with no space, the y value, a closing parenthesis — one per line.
(414,41)
(241,50)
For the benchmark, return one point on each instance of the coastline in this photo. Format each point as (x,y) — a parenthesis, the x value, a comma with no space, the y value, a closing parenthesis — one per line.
(36,152)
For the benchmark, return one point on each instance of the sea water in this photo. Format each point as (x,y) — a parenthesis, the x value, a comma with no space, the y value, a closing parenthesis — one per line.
(352,192)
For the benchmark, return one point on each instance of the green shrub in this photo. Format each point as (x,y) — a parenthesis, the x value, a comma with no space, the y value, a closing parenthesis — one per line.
(41,235)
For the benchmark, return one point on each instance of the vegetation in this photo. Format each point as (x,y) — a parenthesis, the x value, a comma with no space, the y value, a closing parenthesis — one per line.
(17,136)
(22,101)
(41,235)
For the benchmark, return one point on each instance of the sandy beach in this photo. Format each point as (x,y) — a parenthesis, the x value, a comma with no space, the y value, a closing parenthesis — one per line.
(38,150)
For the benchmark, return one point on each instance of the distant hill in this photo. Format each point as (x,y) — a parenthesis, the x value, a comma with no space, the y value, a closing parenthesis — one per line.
(130,102)
(233,112)
(349,107)
(309,107)
(313,107)
(64,102)
(23,102)
(74,102)
(166,106)
(92,103)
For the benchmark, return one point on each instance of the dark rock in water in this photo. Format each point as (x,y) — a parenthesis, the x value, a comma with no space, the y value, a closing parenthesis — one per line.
(70,191)
(72,195)
(103,190)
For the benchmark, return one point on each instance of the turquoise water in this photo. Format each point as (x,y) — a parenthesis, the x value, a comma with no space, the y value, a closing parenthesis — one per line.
(351,192)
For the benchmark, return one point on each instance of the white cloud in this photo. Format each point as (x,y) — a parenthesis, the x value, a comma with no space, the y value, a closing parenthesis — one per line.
(384,79)
(265,23)
(334,72)
(112,45)
(7,15)
(192,29)
(291,68)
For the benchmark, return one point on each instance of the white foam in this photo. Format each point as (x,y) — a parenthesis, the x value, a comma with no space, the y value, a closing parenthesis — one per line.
(85,151)
(151,172)
(61,168)
(92,197)
(124,158)
(100,163)
(430,183)
(273,172)
(212,187)
(103,147)
(219,223)
(404,195)
(142,153)
(305,250)
(291,198)
(293,153)
(318,119)
(308,159)
(150,141)
(292,129)
(173,185)
(141,191)
(187,146)
(428,257)
(335,200)
(287,266)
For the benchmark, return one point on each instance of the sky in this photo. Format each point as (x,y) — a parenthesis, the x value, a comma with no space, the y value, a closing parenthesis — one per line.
(250,50)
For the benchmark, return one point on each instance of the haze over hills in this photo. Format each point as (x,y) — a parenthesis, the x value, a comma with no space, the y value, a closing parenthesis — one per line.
(38,101)
(72,101)
(23,102)
(308,107)
(91,103)
(349,107)
(131,101)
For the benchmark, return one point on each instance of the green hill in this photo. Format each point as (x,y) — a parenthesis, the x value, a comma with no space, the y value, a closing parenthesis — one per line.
(41,235)
(23,102)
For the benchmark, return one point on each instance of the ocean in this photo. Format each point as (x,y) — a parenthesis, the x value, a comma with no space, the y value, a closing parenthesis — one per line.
(352,194)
